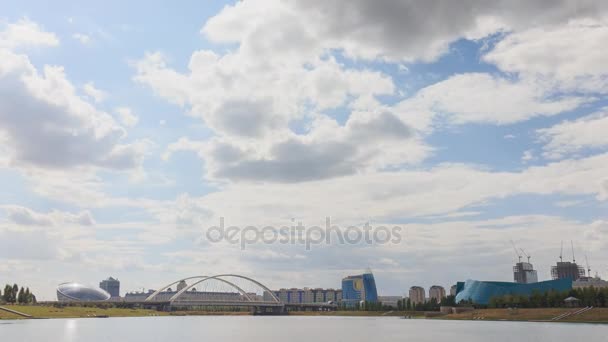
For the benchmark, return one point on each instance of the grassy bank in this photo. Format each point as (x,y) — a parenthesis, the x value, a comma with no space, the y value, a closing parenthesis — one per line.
(41,311)
(7,315)
(358,313)
(598,315)
(48,311)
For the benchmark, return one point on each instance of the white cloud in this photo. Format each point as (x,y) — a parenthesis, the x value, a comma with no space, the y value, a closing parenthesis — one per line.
(395,30)
(94,93)
(242,95)
(250,104)
(570,137)
(126,116)
(47,125)
(528,156)
(26,33)
(484,98)
(567,204)
(251,91)
(354,199)
(596,235)
(27,217)
(569,56)
(24,245)
(388,262)
(252,94)
(82,38)
(279,152)
(368,141)
(403,194)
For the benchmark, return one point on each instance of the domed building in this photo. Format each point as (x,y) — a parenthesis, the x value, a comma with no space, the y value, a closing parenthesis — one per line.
(70,292)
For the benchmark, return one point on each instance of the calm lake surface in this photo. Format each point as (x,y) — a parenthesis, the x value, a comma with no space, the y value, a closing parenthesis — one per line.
(292,329)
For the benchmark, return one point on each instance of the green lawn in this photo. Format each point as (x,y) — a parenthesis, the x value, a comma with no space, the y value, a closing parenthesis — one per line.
(594,315)
(8,315)
(543,314)
(357,313)
(39,311)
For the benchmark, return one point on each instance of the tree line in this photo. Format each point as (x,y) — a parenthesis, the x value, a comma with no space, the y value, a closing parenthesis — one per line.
(588,296)
(15,295)
(406,304)
(362,306)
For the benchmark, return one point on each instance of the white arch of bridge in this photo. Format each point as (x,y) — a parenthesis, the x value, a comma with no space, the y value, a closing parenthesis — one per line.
(219,277)
(185,289)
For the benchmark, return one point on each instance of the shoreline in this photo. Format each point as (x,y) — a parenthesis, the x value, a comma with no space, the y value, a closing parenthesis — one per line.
(594,316)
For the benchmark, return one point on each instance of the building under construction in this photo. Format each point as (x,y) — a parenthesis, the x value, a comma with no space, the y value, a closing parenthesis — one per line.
(523,272)
(567,269)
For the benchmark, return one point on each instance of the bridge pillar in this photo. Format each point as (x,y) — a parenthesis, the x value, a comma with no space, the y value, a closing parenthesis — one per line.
(269,310)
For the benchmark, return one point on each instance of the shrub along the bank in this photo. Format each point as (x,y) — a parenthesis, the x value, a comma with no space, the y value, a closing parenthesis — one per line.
(589,296)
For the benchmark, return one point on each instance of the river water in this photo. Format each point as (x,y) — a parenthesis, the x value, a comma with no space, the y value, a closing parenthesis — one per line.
(292,329)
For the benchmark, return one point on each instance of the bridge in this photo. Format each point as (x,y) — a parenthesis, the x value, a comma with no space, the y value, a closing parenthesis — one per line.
(222,290)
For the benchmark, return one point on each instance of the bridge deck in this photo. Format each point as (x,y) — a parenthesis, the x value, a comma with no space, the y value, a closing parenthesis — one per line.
(166,303)
(219,303)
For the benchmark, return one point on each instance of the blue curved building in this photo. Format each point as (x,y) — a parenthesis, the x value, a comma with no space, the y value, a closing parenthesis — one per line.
(480,292)
(358,288)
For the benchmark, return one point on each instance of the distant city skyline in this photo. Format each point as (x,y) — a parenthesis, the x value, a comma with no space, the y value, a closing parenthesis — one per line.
(128,129)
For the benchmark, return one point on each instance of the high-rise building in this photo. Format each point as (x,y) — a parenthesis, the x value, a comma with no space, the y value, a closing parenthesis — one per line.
(182,285)
(193,295)
(390,301)
(417,295)
(436,292)
(567,269)
(453,290)
(359,288)
(305,295)
(524,273)
(112,286)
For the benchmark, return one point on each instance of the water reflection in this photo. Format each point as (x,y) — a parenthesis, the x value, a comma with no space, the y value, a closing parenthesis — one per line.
(71,330)
(293,329)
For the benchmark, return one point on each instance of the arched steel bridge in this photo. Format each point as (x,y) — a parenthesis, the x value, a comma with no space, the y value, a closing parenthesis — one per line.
(261,299)
(243,298)
(236,291)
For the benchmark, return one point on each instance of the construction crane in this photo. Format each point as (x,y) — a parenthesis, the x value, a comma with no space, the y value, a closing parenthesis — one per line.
(516,252)
(561,252)
(588,267)
(573,258)
(526,254)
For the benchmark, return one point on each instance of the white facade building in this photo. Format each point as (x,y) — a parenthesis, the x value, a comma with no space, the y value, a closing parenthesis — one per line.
(417,295)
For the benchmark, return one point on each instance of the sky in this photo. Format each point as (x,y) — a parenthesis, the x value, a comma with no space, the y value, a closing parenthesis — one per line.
(128,129)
